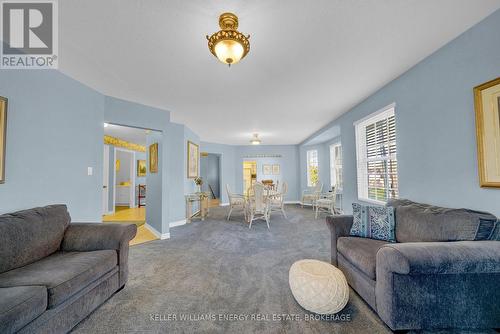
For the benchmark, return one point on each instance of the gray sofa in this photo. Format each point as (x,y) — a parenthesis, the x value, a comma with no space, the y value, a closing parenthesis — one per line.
(53,273)
(443,271)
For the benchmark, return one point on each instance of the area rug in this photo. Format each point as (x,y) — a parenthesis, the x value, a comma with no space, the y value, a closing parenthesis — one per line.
(219,276)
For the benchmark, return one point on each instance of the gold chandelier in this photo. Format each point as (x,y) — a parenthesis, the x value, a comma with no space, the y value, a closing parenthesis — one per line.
(228,44)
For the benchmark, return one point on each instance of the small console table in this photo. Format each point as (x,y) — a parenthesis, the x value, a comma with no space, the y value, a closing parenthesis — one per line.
(202,199)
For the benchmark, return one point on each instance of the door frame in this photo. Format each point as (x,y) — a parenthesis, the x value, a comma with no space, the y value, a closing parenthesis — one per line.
(105,186)
(133,172)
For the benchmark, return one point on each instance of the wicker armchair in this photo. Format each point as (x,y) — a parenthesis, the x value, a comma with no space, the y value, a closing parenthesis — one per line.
(312,194)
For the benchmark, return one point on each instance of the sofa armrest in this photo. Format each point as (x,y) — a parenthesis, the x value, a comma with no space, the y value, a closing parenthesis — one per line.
(82,237)
(440,257)
(433,284)
(340,226)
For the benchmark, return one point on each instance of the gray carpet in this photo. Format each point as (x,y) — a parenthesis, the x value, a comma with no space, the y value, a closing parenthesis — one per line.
(217,268)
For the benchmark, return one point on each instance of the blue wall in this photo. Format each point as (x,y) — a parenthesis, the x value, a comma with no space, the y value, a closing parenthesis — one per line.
(288,161)
(232,158)
(435,123)
(54,132)
(227,161)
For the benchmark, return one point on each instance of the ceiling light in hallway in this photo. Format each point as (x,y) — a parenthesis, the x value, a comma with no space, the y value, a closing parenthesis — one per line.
(255,140)
(228,44)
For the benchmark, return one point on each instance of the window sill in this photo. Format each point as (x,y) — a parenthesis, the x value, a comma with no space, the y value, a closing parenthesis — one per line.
(372,201)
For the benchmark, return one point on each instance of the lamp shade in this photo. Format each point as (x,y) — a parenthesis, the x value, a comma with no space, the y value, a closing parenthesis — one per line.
(229,51)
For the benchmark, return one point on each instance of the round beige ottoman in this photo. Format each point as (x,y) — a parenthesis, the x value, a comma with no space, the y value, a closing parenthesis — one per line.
(318,286)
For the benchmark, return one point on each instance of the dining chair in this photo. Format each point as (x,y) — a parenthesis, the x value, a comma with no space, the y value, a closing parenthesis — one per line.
(311,194)
(277,202)
(258,205)
(236,201)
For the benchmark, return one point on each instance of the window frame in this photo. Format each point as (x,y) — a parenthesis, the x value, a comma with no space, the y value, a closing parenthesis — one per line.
(335,166)
(362,159)
(308,158)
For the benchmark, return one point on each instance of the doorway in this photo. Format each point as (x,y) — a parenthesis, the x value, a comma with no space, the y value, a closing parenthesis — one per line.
(210,172)
(249,175)
(125,178)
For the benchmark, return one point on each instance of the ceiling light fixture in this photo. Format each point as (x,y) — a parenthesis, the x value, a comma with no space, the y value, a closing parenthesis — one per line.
(228,44)
(106,125)
(255,140)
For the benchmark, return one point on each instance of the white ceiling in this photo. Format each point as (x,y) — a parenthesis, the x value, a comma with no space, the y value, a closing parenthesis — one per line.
(132,135)
(310,61)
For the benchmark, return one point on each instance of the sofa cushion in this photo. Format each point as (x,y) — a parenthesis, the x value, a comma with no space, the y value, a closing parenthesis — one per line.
(361,253)
(20,305)
(62,273)
(29,235)
(375,222)
(417,222)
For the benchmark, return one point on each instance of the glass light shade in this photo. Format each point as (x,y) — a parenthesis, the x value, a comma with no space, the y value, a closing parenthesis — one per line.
(255,142)
(229,51)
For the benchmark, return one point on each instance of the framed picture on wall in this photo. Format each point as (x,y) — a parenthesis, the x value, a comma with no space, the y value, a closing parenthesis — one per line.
(193,160)
(141,168)
(276,169)
(3,136)
(487,104)
(267,169)
(153,158)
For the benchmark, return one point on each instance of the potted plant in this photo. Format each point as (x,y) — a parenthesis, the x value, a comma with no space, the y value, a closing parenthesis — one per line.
(198,181)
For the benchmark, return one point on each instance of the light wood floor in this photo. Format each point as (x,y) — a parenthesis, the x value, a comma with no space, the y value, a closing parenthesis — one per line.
(143,235)
(126,214)
(132,215)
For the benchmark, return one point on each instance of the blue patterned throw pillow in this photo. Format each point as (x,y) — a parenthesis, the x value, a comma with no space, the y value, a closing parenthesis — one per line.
(375,222)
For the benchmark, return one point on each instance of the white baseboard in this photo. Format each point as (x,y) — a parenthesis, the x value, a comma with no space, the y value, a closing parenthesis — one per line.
(159,235)
(177,223)
(224,204)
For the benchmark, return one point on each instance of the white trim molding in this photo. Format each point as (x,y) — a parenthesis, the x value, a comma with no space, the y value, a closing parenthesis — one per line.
(292,202)
(161,236)
(177,223)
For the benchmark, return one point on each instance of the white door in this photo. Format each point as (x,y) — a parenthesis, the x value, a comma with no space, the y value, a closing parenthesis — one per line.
(105,181)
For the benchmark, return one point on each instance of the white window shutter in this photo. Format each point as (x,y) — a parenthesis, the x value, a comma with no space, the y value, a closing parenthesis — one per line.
(376,155)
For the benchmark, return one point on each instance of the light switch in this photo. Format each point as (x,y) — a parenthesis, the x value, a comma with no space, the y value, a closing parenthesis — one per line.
(90,171)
